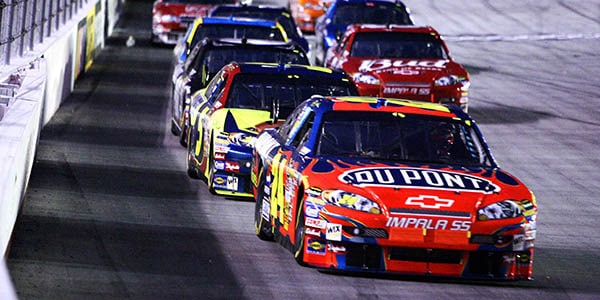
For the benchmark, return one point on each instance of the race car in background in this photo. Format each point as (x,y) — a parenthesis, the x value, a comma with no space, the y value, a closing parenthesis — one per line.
(306,13)
(384,185)
(341,13)
(171,18)
(408,62)
(239,102)
(222,27)
(266,12)
(209,56)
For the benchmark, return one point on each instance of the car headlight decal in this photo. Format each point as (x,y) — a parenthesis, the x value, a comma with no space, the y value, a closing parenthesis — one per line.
(501,210)
(447,80)
(350,200)
(169,19)
(365,79)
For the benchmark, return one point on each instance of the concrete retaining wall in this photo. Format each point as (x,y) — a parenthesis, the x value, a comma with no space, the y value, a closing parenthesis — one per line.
(49,77)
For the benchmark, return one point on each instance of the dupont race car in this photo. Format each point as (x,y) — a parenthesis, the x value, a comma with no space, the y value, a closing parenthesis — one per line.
(209,56)
(171,18)
(239,102)
(380,185)
(342,13)
(267,12)
(408,62)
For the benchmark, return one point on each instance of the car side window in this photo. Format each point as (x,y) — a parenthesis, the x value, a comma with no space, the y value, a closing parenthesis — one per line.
(216,87)
(286,127)
(304,131)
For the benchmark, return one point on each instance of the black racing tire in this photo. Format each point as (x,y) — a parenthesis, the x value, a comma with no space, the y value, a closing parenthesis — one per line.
(174,129)
(262,227)
(210,164)
(299,232)
(183,136)
(192,169)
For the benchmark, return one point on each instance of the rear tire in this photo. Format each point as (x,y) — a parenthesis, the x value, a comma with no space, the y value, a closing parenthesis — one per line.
(183,136)
(174,129)
(299,232)
(210,164)
(262,227)
(192,169)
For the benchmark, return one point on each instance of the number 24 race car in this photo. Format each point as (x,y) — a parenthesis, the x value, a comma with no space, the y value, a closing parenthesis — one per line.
(386,185)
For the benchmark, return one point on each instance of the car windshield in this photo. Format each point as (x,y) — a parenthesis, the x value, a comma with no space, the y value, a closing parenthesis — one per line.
(261,91)
(204,2)
(397,45)
(399,137)
(236,31)
(216,58)
(369,13)
(285,21)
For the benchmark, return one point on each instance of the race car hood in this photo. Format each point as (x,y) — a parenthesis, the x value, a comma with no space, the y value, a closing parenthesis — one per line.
(413,70)
(399,188)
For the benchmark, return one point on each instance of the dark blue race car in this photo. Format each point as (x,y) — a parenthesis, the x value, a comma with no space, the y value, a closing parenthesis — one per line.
(280,14)
(342,13)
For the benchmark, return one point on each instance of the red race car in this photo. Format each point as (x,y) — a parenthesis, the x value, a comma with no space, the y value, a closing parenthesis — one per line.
(408,62)
(386,185)
(171,18)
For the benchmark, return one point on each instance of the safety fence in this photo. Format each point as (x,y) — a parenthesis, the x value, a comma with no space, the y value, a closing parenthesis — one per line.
(26,23)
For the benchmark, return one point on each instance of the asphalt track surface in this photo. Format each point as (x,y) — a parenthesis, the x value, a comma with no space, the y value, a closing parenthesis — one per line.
(111,214)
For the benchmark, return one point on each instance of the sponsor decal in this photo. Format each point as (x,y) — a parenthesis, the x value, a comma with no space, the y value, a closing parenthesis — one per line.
(336,249)
(316,223)
(221,148)
(429,202)
(418,178)
(406,90)
(219,156)
(312,210)
(266,209)
(518,242)
(219,180)
(334,232)
(369,65)
(232,183)
(232,166)
(264,144)
(315,247)
(425,223)
(219,165)
(312,231)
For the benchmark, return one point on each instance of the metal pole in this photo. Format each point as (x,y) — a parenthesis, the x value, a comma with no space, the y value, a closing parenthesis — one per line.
(23,27)
(9,35)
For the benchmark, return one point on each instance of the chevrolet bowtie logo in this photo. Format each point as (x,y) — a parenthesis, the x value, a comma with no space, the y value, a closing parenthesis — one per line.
(429,202)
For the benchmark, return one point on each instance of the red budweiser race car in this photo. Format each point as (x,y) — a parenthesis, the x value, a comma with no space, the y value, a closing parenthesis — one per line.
(409,62)
(171,18)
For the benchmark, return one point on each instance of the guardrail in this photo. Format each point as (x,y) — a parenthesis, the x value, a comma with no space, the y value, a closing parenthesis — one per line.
(26,23)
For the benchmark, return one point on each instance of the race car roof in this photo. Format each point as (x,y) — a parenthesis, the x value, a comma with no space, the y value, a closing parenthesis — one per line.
(358,103)
(234,21)
(391,28)
(285,69)
(222,10)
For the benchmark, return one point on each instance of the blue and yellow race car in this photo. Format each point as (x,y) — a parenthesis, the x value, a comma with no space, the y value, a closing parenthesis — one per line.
(240,101)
